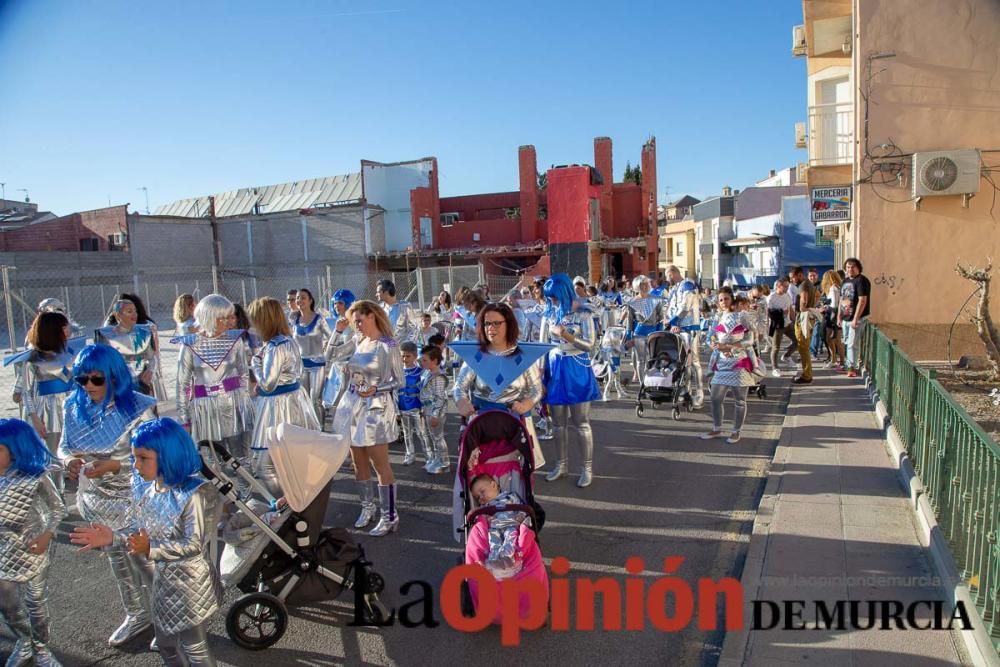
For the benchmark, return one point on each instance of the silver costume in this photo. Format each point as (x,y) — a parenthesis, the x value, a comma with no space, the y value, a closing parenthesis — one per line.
(401,319)
(568,412)
(649,313)
(104,436)
(434,405)
(138,346)
(48,379)
(469,386)
(186,587)
(213,394)
(280,400)
(409,415)
(502,559)
(684,310)
(372,420)
(312,339)
(336,375)
(29,506)
(186,328)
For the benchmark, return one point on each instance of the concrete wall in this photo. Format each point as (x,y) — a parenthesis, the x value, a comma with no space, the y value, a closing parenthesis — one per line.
(940,92)
(389,186)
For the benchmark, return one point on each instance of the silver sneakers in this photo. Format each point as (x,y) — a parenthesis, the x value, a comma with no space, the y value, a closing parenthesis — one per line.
(130,628)
(409,458)
(22,654)
(586,476)
(560,471)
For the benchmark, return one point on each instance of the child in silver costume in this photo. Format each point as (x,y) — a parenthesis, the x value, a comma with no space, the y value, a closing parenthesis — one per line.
(99,417)
(502,557)
(433,409)
(168,530)
(409,405)
(30,511)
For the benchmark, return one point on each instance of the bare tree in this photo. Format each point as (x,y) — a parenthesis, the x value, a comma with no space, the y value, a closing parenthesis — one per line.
(981,316)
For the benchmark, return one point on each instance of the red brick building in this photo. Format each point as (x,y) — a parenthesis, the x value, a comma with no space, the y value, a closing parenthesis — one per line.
(579,221)
(99,230)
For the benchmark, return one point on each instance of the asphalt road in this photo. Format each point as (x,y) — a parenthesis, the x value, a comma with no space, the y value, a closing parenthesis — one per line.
(659,491)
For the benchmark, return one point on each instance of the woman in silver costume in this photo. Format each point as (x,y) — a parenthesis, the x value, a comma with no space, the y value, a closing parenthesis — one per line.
(213,378)
(367,415)
(570,384)
(731,365)
(400,313)
(168,531)
(48,379)
(137,344)
(30,512)
(647,315)
(281,399)
(99,417)
(311,333)
(336,377)
(184,315)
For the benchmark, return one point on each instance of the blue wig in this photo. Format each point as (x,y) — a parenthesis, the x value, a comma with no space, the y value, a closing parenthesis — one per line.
(559,288)
(118,378)
(345,296)
(177,458)
(28,453)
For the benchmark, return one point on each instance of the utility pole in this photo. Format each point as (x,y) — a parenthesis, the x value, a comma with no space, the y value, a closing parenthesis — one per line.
(216,241)
(3,191)
(145,191)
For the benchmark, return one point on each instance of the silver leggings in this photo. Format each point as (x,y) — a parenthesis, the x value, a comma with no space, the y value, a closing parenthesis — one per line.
(24,610)
(412,427)
(133,580)
(187,647)
(719,392)
(574,418)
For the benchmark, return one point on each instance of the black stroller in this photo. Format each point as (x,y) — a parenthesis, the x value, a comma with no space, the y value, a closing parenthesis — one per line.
(667,375)
(286,557)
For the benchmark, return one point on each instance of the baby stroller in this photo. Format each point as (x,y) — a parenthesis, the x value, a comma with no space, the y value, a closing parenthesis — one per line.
(503,447)
(286,557)
(607,367)
(666,379)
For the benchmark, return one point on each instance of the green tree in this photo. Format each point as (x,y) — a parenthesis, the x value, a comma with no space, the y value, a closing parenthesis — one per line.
(632,175)
(543,180)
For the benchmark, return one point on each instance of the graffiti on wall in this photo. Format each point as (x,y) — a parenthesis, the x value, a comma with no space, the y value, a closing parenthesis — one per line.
(892,282)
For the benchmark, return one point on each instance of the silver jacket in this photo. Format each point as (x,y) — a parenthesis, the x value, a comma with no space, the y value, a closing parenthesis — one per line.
(29,506)
(311,339)
(685,306)
(402,321)
(434,393)
(580,323)
(213,382)
(186,588)
(648,309)
(527,386)
(278,364)
(339,349)
(48,379)
(372,420)
(186,328)
(137,346)
(104,436)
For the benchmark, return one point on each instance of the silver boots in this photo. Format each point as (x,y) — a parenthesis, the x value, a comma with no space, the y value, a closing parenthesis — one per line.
(389,521)
(366,492)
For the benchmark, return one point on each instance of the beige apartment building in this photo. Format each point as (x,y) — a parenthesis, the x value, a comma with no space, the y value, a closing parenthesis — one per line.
(903,141)
(677,238)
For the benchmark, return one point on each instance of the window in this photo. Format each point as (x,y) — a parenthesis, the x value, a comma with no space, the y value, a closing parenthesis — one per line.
(679,249)
(89,245)
(448,219)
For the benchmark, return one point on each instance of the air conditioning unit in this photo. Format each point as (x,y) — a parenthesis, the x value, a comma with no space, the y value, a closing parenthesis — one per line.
(118,239)
(800,135)
(802,172)
(946,172)
(798,40)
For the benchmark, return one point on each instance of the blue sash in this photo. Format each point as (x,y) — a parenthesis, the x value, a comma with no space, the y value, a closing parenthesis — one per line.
(280,389)
(55,386)
(481,405)
(312,363)
(646,329)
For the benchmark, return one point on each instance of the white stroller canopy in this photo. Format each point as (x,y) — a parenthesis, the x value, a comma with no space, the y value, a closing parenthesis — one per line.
(305,461)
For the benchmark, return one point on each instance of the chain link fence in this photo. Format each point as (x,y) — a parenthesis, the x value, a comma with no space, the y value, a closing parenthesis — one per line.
(89,291)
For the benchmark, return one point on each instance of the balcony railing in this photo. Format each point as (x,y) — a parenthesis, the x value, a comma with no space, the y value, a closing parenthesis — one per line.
(831,134)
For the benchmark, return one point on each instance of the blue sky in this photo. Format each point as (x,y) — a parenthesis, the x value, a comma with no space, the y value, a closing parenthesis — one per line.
(188,98)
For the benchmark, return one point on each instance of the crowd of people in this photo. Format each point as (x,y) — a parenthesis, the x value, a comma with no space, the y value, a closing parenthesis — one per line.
(374,372)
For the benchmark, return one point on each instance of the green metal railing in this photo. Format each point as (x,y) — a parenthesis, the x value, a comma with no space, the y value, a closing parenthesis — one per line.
(957,461)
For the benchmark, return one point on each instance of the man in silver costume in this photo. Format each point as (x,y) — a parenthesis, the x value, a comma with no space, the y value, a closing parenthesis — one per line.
(100,416)
(30,512)
(137,345)
(213,379)
(400,313)
(647,313)
(684,311)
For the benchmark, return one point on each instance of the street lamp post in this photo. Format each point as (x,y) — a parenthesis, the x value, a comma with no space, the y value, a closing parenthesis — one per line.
(145,191)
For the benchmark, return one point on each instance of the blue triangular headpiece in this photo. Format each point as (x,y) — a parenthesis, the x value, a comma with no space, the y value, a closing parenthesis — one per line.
(495,370)
(73,346)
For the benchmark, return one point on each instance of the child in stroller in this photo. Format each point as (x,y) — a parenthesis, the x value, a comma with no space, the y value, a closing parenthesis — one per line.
(495,507)
(607,368)
(666,377)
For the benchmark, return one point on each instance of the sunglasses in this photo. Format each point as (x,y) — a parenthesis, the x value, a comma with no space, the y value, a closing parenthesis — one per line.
(96,380)
(493,323)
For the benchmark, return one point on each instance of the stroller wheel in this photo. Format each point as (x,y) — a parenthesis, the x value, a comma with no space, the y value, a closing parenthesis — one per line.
(376,582)
(638,410)
(468,609)
(375,611)
(676,413)
(257,621)
(762,392)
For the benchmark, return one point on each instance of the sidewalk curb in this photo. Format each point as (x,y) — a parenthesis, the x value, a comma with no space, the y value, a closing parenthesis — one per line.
(977,642)
(736,647)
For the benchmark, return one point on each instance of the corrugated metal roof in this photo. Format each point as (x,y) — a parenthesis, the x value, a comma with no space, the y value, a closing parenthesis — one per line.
(270,198)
